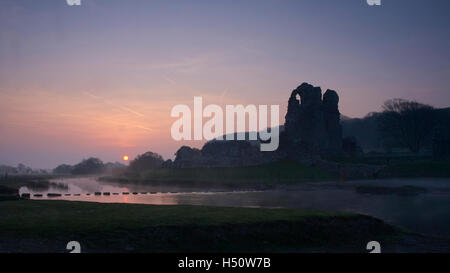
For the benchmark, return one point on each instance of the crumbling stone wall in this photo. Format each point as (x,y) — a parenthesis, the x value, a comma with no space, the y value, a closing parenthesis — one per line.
(223,153)
(312,129)
(313,123)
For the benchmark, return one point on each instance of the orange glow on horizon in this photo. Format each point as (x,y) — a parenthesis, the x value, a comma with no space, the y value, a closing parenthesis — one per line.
(125,158)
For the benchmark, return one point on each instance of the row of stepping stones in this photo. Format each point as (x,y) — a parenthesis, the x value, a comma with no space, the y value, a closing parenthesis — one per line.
(28,195)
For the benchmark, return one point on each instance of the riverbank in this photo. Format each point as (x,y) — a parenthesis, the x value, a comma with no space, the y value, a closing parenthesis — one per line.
(436,169)
(11,183)
(47,226)
(252,177)
(259,177)
(280,173)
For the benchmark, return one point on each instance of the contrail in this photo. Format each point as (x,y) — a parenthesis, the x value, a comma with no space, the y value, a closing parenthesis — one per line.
(126,109)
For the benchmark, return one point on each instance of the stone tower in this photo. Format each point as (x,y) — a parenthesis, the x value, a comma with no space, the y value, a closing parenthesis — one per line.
(312,124)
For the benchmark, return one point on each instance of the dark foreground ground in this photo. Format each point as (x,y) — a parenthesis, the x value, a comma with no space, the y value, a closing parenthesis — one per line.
(47,226)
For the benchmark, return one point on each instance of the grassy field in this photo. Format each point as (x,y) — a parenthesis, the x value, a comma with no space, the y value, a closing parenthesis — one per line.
(42,226)
(401,166)
(403,190)
(418,169)
(285,172)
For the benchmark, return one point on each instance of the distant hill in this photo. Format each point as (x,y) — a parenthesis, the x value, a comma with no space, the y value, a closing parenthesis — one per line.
(344,117)
(363,129)
(444,112)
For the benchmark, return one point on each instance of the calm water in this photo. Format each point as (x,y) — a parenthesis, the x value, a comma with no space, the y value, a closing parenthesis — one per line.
(425,212)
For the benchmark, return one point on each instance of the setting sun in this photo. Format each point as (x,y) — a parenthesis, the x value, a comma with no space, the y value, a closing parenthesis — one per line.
(125,157)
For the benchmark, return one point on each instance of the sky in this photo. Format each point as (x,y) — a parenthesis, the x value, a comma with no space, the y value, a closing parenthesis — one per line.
(100,79)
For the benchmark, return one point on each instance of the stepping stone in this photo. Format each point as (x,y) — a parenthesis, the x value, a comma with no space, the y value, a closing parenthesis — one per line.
(54,194)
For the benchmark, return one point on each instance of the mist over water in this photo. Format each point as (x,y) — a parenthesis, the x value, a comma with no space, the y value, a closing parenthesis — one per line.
(427,212)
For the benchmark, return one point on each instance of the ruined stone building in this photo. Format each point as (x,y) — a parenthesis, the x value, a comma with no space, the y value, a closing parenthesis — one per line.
(312,128)
(312,124)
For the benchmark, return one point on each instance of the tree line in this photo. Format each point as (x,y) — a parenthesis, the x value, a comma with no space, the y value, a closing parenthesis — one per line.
(401,124)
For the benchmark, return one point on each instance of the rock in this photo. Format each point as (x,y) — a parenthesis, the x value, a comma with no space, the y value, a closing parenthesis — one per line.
(26,195)
(54,195)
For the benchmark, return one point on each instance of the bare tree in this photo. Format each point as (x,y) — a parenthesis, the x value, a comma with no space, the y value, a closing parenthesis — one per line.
(407,123)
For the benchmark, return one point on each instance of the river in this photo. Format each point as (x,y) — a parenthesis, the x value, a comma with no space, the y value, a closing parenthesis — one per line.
(426,212)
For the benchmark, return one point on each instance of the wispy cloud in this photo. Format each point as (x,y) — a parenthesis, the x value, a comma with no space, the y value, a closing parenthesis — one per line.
(126,109)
